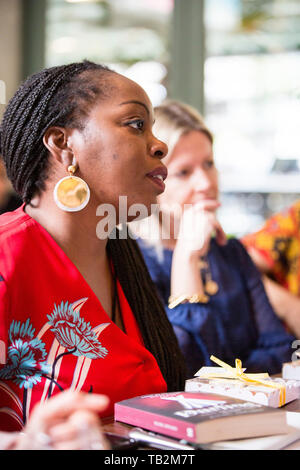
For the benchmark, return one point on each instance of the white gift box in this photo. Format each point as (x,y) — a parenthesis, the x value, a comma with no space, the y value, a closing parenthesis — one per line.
(291,370)
(235,388)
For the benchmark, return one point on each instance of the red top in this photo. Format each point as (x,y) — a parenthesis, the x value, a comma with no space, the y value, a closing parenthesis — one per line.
(53,325)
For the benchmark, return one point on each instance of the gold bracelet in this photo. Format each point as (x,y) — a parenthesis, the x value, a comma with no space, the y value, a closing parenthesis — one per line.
(184,298)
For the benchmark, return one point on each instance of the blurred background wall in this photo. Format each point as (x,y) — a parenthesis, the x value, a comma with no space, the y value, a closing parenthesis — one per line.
(237,61)
(10,48)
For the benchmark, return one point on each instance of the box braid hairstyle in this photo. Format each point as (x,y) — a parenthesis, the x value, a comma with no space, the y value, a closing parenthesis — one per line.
(62,96)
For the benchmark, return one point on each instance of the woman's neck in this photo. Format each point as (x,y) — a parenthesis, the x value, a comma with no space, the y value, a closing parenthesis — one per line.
(74,232)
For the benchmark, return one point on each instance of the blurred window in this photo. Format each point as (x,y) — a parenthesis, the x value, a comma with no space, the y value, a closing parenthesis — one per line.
(130,36)
(251,83)
(252,91)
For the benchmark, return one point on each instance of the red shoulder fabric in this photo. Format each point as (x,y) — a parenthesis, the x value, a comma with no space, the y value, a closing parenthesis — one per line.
(54,331)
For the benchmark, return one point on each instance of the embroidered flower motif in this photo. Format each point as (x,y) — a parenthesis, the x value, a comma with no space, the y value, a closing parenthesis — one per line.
(26,356)
(73,333)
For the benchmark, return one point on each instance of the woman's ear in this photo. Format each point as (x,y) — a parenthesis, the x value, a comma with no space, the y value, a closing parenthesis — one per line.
(56,141)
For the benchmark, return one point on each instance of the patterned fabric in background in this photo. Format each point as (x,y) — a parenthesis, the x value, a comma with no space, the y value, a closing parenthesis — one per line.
(278,241)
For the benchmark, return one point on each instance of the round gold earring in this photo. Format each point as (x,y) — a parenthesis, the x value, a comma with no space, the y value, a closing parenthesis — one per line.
(71,193)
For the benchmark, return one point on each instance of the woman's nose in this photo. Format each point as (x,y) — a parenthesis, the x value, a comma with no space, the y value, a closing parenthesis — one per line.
(158,149)
(201,181)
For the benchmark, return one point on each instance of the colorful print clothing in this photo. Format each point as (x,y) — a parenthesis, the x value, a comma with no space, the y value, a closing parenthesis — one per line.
(278,241)
(54,332)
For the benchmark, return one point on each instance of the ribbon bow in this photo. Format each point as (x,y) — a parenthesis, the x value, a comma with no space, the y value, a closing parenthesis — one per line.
(255,379)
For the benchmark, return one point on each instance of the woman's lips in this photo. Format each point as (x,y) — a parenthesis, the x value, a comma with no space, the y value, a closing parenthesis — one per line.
(158,182)
(157,176)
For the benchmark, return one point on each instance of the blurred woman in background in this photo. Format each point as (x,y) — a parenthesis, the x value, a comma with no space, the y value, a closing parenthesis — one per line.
(212,291)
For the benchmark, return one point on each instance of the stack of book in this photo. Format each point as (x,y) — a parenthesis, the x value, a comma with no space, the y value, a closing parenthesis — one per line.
(220,413)
(202,418)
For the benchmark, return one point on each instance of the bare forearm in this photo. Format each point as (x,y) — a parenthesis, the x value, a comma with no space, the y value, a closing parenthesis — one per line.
(185,274)
(196,229)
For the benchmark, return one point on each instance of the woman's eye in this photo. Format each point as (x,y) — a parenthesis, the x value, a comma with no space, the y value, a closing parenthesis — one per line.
(210,164)
(181,173)
(137,124)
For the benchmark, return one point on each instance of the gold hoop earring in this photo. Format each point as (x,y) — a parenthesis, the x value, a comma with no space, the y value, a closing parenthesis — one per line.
(71,193)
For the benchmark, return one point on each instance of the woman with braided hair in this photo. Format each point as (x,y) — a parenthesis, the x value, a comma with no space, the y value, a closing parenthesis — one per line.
(78,310)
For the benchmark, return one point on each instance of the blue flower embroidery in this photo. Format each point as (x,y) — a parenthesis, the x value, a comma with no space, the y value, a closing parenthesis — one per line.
(26,359)
(73,333)
(26,356)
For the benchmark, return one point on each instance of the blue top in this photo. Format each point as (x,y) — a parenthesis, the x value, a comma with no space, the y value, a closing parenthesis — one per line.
(237,322)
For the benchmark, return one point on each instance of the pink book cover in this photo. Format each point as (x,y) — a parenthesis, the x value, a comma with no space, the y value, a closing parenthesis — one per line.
(178,414)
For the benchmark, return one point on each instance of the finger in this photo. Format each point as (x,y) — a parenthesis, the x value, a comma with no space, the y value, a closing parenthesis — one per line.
(79,421)
(65,403)
(82,431)
(37,440)
(221,236)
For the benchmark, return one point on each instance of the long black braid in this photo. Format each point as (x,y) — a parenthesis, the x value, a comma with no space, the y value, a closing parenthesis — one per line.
(141,292)
(61,96)
(52,97)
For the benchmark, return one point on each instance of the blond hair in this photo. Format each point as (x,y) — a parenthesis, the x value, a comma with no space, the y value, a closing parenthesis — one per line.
(174,119)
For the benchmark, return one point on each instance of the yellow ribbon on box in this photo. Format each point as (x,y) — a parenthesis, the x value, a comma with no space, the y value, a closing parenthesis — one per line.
(255,379)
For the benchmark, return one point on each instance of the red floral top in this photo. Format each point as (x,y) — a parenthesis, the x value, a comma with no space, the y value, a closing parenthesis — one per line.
(278,241)
(54,332)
